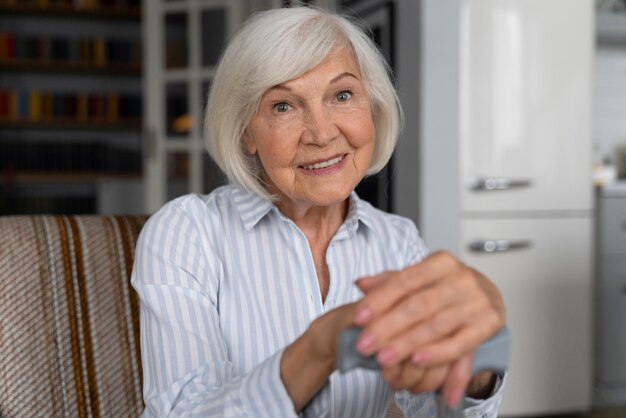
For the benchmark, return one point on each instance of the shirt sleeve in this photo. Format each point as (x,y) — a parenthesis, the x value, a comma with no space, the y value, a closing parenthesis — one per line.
(425,405)
(186,367)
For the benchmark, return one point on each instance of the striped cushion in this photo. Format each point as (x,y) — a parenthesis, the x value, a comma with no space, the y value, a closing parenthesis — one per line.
(69,323)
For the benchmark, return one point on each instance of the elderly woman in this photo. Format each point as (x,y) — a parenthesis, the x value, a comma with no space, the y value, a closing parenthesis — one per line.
(245,290)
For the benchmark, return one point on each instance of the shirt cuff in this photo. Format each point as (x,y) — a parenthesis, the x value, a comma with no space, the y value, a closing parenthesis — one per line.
(478,408)
(265,391)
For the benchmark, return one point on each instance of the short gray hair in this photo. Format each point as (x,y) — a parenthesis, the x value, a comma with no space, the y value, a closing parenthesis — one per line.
(276,46)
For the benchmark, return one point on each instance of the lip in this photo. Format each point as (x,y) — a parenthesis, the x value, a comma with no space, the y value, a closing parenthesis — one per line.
(327,170)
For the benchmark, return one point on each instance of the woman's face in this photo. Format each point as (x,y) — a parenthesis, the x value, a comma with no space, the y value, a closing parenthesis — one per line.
(314,134)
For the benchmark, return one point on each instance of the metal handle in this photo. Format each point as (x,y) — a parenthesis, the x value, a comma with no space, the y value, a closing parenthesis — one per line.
(497,183)
(497,245)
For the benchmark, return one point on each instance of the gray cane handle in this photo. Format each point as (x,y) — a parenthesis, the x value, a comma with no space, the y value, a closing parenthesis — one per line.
(492,355)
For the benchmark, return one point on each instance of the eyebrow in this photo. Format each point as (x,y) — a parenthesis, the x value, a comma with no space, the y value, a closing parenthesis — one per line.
(334,80)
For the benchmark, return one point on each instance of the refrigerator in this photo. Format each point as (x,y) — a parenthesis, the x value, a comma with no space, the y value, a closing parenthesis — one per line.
(526,198)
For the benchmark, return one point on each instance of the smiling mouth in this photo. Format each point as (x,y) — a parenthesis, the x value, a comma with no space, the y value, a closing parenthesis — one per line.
(324,164)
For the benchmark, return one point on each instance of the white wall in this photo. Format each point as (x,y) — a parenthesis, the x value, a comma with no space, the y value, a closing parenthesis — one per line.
(426,189)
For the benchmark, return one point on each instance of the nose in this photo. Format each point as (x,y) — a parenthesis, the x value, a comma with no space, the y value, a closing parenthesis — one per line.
(320,127)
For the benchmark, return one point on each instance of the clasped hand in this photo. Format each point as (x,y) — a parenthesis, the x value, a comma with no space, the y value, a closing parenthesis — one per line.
(424,322)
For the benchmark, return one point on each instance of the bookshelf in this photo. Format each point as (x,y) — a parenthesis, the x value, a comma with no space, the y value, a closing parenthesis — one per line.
(70,105)
(183,41)
(97,10)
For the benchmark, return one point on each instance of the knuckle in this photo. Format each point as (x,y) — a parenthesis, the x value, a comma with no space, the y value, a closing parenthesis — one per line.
(454,351)
(415,337)
(413,307)
(444,323)
(446,258)
(426,301)
(405,280)
(467,279)
(437,326)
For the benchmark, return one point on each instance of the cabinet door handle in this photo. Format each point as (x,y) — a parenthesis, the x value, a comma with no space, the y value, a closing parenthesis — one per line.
(497,183)
(497,245)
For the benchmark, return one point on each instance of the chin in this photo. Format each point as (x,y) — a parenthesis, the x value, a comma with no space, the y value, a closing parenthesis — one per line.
(329,199)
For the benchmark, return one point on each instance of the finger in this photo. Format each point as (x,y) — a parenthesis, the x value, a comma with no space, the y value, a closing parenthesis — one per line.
(326,329)
(391,374)
(431,380)
(371,282)
(404,282)
(426,332)
(441,307)
(408,375)
(413,309)
(463,341)
(457,380)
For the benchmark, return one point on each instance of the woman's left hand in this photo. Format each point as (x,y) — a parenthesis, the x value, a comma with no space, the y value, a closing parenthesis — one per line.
(425,321)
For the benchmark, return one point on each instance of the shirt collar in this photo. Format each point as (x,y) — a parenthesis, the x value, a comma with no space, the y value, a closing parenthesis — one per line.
(253,208)
(359,211)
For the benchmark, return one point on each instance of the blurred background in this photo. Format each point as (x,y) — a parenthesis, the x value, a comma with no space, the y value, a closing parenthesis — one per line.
(513,154)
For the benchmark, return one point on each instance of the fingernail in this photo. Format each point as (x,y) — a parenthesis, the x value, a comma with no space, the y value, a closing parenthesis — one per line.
(386,357)
(455,398)
(420,359)
(364,315)
(365,343)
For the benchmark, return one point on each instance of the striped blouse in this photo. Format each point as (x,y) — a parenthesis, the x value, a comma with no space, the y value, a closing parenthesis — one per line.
(226,281)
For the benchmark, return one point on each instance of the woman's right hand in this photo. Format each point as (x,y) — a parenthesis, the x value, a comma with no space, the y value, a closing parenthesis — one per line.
(307,363)
(324,330)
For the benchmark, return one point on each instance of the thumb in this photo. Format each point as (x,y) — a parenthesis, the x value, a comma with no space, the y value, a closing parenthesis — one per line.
(370,282)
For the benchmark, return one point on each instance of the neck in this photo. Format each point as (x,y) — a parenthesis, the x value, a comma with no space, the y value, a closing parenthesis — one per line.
(317,222)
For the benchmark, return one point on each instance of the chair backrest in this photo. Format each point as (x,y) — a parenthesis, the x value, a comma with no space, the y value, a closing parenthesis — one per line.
(69,320)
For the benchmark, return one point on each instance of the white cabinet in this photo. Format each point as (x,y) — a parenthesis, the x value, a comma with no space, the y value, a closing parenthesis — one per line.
(526,187)
(526,99)
(547,291)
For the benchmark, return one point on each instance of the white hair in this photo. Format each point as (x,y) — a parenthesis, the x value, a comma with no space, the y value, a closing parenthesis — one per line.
(276,46)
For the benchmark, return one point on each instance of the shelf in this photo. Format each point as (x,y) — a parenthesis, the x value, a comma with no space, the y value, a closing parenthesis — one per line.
(66,177)
(64,11)
(71,124)
(33,66)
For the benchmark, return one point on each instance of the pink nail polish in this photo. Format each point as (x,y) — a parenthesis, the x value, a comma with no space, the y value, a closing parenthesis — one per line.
(364,315)
(365,343)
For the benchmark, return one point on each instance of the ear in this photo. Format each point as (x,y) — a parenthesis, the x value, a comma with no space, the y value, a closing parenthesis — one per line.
(249,142)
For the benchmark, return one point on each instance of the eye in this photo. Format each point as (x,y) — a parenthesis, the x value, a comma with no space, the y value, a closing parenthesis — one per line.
(281,107)
(343,96)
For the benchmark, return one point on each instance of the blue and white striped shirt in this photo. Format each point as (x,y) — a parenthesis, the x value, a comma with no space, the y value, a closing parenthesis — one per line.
(226,281)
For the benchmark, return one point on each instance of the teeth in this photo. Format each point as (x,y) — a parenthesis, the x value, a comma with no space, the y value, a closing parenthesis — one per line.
(323,164)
